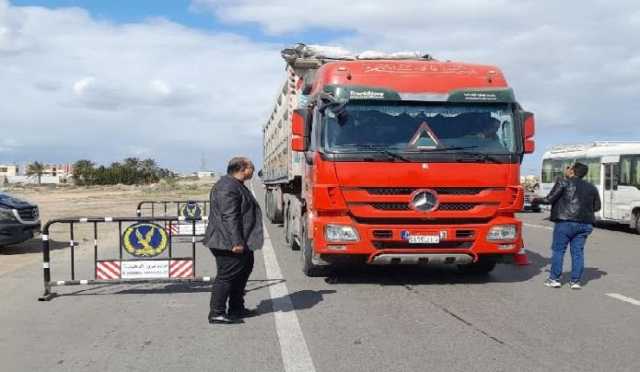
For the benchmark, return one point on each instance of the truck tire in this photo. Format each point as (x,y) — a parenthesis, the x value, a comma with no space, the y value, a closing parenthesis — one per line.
(277,206)
(482,267)
(266,205)
(637,217)
(308,267)
(288,233)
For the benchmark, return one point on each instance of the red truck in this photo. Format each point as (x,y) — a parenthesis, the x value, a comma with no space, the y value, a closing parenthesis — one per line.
(395,159)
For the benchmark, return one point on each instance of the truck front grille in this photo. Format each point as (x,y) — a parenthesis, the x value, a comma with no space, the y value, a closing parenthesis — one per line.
(382,234)
(391,206)
(441,207)
(387,221)
(456,206)
(407,190)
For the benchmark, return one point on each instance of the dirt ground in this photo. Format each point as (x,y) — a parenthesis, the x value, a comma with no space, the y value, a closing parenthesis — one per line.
(96,201)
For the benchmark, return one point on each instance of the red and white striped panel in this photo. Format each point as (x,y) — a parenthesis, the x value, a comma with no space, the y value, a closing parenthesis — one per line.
(172,229)
(181,269)
(108,270)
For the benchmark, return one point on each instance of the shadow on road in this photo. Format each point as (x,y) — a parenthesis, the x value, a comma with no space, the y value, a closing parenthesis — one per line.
(439,275)
(165,288)
(31,246)
(618,227)
(300,300)
(610,226)
(432,275)
(592,273)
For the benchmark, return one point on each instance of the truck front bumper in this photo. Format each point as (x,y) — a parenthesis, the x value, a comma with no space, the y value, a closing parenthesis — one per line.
(384,243)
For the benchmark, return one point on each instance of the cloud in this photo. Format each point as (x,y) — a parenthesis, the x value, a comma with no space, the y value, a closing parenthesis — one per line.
(8,144)
(576,65)
(76,87)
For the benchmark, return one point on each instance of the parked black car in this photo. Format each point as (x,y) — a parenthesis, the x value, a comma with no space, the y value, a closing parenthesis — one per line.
(19,220)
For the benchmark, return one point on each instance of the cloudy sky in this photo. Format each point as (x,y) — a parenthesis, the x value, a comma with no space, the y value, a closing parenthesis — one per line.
(179,80)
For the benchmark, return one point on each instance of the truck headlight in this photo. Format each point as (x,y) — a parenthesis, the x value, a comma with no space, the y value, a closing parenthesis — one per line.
(341,233)
(6,215)
(502,233)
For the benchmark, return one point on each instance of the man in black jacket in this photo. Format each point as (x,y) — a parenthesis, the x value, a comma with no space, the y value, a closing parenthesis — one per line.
(573,204)
(233,233)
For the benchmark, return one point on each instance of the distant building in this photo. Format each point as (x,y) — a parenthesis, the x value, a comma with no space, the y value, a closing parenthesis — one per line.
(8,170)
(62,171)
(52,174)
(205,174)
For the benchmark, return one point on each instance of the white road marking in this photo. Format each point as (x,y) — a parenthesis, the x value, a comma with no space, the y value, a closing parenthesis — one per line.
(293,347)
(620,297)
(538,226)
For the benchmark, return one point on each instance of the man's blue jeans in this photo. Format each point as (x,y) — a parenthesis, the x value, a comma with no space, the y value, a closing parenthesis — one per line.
(575,235)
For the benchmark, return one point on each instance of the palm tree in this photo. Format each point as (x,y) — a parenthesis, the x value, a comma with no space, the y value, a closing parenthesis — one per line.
(83,172)
(36,169)
(149,170)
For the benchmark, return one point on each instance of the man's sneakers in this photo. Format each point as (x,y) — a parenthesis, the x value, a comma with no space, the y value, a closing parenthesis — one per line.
(575,285)
(242,313)
(223,319)
(552,283)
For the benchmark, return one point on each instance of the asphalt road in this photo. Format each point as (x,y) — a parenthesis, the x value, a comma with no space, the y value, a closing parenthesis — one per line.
(372,319)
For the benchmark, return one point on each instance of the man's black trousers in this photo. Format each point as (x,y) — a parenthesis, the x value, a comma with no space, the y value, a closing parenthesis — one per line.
(233,273)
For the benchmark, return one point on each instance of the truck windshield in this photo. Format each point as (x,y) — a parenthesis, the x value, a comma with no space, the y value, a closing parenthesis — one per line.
(421,128)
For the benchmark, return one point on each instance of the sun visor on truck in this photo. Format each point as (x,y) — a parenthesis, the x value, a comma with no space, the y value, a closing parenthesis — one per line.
(503,95)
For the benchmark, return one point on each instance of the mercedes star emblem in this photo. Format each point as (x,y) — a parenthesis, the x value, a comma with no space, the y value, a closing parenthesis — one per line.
(424,200)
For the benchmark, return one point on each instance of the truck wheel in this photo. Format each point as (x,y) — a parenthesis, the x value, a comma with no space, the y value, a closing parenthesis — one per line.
(288,233)
(308,267)
(637,216)
(267,209)
(276,206)
(482,267)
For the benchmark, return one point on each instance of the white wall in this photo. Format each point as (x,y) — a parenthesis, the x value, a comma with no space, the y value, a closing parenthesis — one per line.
(34,180)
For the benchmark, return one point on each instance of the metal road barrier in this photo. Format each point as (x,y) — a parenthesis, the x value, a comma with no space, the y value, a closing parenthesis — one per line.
(145,252)
(190,209)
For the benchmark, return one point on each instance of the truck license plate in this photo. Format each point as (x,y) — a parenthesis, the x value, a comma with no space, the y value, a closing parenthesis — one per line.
(424,239)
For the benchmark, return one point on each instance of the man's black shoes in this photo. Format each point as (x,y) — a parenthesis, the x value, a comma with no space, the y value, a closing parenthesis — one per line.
(223,319)
(242,313)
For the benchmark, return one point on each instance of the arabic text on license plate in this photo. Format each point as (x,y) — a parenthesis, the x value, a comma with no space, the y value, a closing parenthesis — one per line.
(424,239)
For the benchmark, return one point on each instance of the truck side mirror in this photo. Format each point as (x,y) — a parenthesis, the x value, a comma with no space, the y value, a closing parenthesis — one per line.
(528,131)
(299,133)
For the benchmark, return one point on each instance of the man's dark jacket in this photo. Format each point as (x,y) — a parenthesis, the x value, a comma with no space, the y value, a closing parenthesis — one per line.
(234,218)
(572,199)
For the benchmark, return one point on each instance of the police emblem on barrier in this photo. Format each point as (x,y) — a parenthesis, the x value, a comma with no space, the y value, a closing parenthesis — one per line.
(191,210)
(145,240)
(424,200)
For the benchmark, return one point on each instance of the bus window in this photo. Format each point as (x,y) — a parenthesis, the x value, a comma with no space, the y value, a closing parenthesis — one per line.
(547,169)
(636,173)
(630,170)
(625,170)
(593,174)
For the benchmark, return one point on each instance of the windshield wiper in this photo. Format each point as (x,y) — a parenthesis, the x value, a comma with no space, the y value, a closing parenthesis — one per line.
(467,155)
(445,149)
(479,156)
(379,148)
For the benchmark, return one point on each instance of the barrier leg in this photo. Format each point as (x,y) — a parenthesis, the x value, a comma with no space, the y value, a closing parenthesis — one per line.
(48,295)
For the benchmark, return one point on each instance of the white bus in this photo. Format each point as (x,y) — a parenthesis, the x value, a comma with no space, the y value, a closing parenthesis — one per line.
(614,168)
